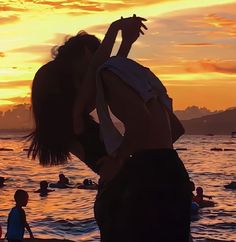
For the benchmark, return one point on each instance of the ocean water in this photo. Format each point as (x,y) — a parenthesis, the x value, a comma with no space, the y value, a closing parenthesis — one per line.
(68,213)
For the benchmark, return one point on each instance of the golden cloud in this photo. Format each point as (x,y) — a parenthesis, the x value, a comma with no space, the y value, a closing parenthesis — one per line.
(218,21)
(15,84)
(221,25)
(82,5)
(9,19)
(195,44)
(2,54)
(37,49)
(11,8)
(212,66)
(25,100)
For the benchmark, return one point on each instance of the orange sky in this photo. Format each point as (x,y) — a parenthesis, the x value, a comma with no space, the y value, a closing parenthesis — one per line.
(190,44)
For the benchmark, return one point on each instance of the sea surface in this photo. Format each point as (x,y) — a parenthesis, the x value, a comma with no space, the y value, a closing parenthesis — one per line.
(68,213)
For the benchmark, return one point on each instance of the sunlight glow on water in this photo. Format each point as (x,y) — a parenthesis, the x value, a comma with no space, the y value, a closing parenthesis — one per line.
(68,213)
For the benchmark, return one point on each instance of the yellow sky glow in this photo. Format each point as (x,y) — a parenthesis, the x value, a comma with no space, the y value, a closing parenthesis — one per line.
(189,44)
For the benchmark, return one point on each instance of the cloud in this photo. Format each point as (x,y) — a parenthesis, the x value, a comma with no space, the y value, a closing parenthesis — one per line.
(195,44)
(33,48)
(183,36)
(2,54)
(11,8)
(15,84)
(212,66)
(219,21)
(25,100)
(9,19)
(74,5)
(41,52)
(78,7)
(88,6)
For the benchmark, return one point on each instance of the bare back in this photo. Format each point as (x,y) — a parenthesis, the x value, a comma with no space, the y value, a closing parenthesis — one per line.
(160,130)
(147,125)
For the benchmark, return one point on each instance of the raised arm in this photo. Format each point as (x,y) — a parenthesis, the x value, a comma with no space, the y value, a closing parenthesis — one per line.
(87,90)
(130,33)
(85,100)
(131,29)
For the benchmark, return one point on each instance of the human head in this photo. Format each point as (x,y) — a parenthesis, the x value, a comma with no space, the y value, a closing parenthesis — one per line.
(2,179)
(199,190)
(86,182)
(53,94)
(21,197)
(76,47)
(61,176)
(43,184)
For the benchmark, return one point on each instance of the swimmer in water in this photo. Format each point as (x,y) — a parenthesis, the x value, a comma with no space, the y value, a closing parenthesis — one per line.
(88,184)
(43,190)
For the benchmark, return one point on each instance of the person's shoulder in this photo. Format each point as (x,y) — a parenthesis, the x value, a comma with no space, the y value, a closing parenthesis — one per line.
(43,67)
(15,210)
(22,213)
(12,210)
(21,209)
(42,74)
(46,69)
(119,60)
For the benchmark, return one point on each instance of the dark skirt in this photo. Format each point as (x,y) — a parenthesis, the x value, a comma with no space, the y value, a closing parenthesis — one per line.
(148,201)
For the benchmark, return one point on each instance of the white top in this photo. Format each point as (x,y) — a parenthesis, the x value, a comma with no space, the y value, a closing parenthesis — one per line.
(141,79)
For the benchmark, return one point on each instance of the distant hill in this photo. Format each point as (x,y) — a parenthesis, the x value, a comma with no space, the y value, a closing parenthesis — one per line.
(219,123)
(222,123)
(194,112)
(196,120)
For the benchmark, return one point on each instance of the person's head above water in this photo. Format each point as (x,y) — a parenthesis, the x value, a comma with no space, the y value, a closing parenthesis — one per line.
(43,184)
(53,94)
(2,180)
(199,190)
(61,177)
(86,182)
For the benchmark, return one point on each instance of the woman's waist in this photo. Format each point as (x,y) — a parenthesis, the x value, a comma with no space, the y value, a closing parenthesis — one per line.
(164,164)
(143,145)
(154,152)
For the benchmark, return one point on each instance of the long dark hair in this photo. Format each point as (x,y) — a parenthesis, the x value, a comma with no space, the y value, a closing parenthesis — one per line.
(53,94)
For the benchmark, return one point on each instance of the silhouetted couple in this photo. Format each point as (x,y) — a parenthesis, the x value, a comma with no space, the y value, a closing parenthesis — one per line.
(144,193)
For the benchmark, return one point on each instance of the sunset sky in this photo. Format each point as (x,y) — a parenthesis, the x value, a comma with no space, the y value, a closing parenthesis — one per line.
(189,44)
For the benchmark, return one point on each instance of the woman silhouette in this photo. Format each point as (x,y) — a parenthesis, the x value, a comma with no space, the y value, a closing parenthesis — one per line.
(144,193)
(55,89)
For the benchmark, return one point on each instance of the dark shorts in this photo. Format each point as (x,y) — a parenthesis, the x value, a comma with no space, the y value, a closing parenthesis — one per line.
(149,201)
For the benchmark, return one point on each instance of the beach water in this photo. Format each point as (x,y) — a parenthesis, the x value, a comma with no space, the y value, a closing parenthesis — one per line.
(68,213)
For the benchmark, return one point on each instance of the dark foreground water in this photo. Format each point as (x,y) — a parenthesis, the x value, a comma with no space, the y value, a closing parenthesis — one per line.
(68,213)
